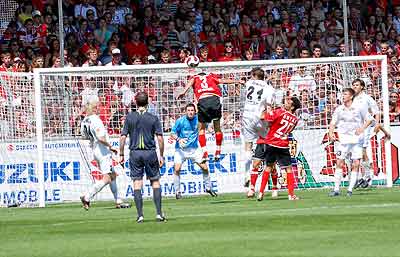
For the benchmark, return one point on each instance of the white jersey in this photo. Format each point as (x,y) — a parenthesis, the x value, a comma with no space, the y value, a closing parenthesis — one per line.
(258,94)
(366,102)
(92,128)
(348,120)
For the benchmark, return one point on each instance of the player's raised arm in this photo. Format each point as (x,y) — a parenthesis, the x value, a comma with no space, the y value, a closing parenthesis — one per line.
(230,81)
(188,85)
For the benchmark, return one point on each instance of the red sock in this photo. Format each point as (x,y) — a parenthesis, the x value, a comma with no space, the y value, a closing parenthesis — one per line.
(253,177)
(290,183)
(274,178)
(218,140)
(202,140)
(264,181)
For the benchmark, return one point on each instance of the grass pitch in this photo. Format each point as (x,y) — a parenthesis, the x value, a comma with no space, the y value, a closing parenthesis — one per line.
(368,224)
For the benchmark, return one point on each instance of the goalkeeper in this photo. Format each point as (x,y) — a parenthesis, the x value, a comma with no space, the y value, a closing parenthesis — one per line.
(186,135)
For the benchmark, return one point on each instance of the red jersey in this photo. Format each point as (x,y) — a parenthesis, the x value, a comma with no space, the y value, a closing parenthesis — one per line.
(206,85)
(282,123)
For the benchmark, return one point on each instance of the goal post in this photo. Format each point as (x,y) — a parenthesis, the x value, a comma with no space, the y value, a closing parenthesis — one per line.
(63,162)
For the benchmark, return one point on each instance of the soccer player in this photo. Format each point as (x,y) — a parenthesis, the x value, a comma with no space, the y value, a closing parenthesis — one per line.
(208,97)
(92,128)
(259,93)
(275,147)
(186,135)
(142,128)
(363,101)
(351,122)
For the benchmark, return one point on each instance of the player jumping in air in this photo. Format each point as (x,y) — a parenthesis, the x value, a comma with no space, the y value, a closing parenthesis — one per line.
(259,93)
(208,97)
(275,146)
(187,147)
(363,101)
(351,122)
(92,128)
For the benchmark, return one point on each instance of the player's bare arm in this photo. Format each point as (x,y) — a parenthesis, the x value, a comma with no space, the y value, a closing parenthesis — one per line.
(367,123)
(379,127)
(231,81)
(122,141)
(188,85)
(331,132)
(160,139)
(104,141)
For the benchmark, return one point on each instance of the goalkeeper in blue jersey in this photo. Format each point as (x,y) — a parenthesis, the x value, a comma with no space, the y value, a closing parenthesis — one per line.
(186,134)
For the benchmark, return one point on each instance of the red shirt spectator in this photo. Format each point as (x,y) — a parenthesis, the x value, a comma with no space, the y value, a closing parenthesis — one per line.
(136,47)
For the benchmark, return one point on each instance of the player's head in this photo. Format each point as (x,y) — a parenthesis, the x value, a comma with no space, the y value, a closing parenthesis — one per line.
(190,111)
(142,99)
(91,106)
(258,73)
(292,103)
(358,85)
(348,94)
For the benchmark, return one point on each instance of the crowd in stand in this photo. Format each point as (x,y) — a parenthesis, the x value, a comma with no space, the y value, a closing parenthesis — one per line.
(119,32)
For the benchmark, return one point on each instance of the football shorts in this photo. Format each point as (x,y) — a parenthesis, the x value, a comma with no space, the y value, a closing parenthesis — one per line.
(194,154)
(209,109)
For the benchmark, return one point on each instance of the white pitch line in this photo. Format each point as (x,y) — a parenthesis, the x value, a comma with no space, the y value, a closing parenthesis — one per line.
(281,212)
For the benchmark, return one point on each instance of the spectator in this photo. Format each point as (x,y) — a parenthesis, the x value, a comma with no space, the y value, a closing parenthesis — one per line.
(165,57)
(228,53)
(137,47)
(257,45)
(367,49)
(394,107)
(204,55)
(37,62)
(304,52)
(92,58)
(5,62)
(116,58)
(278,36)
(81,10)
(248,55)
(279,52)
(317,51)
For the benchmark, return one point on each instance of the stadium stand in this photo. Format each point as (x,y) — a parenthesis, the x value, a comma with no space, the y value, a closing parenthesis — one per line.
(115,32)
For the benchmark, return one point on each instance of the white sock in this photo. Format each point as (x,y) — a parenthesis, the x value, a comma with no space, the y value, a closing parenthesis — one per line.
(338,179)
(353,180)
(177,183)
(367,167)
(114,190)
(247,164)
(96,187)
(207,180)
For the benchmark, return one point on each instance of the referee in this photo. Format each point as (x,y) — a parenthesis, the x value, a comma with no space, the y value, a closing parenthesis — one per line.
(142,127)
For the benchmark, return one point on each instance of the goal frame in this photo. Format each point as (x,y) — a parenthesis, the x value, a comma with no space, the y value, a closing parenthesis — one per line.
(137,68)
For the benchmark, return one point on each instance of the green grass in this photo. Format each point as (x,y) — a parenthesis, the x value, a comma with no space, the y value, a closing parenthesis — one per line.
(368,224)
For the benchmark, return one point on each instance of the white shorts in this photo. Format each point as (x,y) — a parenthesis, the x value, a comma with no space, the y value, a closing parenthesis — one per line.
(253,129)
(194,154)
(104,159)
(348,151)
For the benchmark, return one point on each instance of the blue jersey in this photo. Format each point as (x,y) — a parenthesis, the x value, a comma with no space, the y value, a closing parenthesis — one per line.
(187,129)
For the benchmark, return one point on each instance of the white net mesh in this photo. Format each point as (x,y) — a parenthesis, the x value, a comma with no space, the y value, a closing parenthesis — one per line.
(8,9)
(64,93)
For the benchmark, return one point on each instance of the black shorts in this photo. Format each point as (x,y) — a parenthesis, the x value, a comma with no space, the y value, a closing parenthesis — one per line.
(209,109)
(259,153)
(274,154)
(144,161)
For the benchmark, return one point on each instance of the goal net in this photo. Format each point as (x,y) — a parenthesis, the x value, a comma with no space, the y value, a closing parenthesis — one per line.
(43,155)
